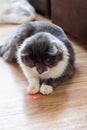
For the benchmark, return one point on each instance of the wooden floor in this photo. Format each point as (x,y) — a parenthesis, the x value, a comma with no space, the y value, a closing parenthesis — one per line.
(65,109)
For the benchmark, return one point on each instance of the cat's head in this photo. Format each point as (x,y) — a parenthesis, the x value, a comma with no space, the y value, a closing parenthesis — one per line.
(40,52)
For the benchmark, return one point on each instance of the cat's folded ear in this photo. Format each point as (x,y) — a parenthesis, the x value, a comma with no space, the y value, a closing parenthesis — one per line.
(54,50)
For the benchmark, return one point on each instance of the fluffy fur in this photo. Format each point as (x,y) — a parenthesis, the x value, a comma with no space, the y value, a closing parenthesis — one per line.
(44,53)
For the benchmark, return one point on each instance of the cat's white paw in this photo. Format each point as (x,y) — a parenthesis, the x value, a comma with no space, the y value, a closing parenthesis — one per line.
(46,89)
(33,89)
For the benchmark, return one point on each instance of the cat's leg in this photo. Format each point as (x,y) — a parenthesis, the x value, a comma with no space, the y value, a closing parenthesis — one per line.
(49,84)
(46,89)
(32,78)
(34,85)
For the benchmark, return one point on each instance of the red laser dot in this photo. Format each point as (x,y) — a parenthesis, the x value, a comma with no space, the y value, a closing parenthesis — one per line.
(34,97)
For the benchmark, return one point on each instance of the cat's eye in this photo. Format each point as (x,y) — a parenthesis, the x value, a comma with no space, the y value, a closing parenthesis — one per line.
(47,61)
(29,62)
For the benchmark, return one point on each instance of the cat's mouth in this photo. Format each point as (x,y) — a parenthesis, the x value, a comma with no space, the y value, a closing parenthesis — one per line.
(40,71)
(43,73)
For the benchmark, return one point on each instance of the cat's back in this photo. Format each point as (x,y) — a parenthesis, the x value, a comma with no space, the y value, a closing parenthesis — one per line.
(34,27)
(40,26)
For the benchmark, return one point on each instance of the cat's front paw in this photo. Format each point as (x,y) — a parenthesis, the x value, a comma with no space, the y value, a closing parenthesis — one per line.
(46,89)
(33,89)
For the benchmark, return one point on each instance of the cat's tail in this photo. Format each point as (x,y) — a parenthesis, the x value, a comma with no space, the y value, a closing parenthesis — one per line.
(8,53)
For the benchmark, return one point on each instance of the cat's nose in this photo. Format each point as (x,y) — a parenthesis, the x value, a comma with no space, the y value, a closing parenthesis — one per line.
(41,70)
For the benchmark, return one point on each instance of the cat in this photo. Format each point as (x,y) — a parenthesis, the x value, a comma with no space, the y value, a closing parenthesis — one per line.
(44,53)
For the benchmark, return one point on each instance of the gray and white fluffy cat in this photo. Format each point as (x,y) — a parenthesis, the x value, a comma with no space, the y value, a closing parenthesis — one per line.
(44,53)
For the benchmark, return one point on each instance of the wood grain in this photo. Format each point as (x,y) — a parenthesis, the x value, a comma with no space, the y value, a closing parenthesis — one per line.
(65,109)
